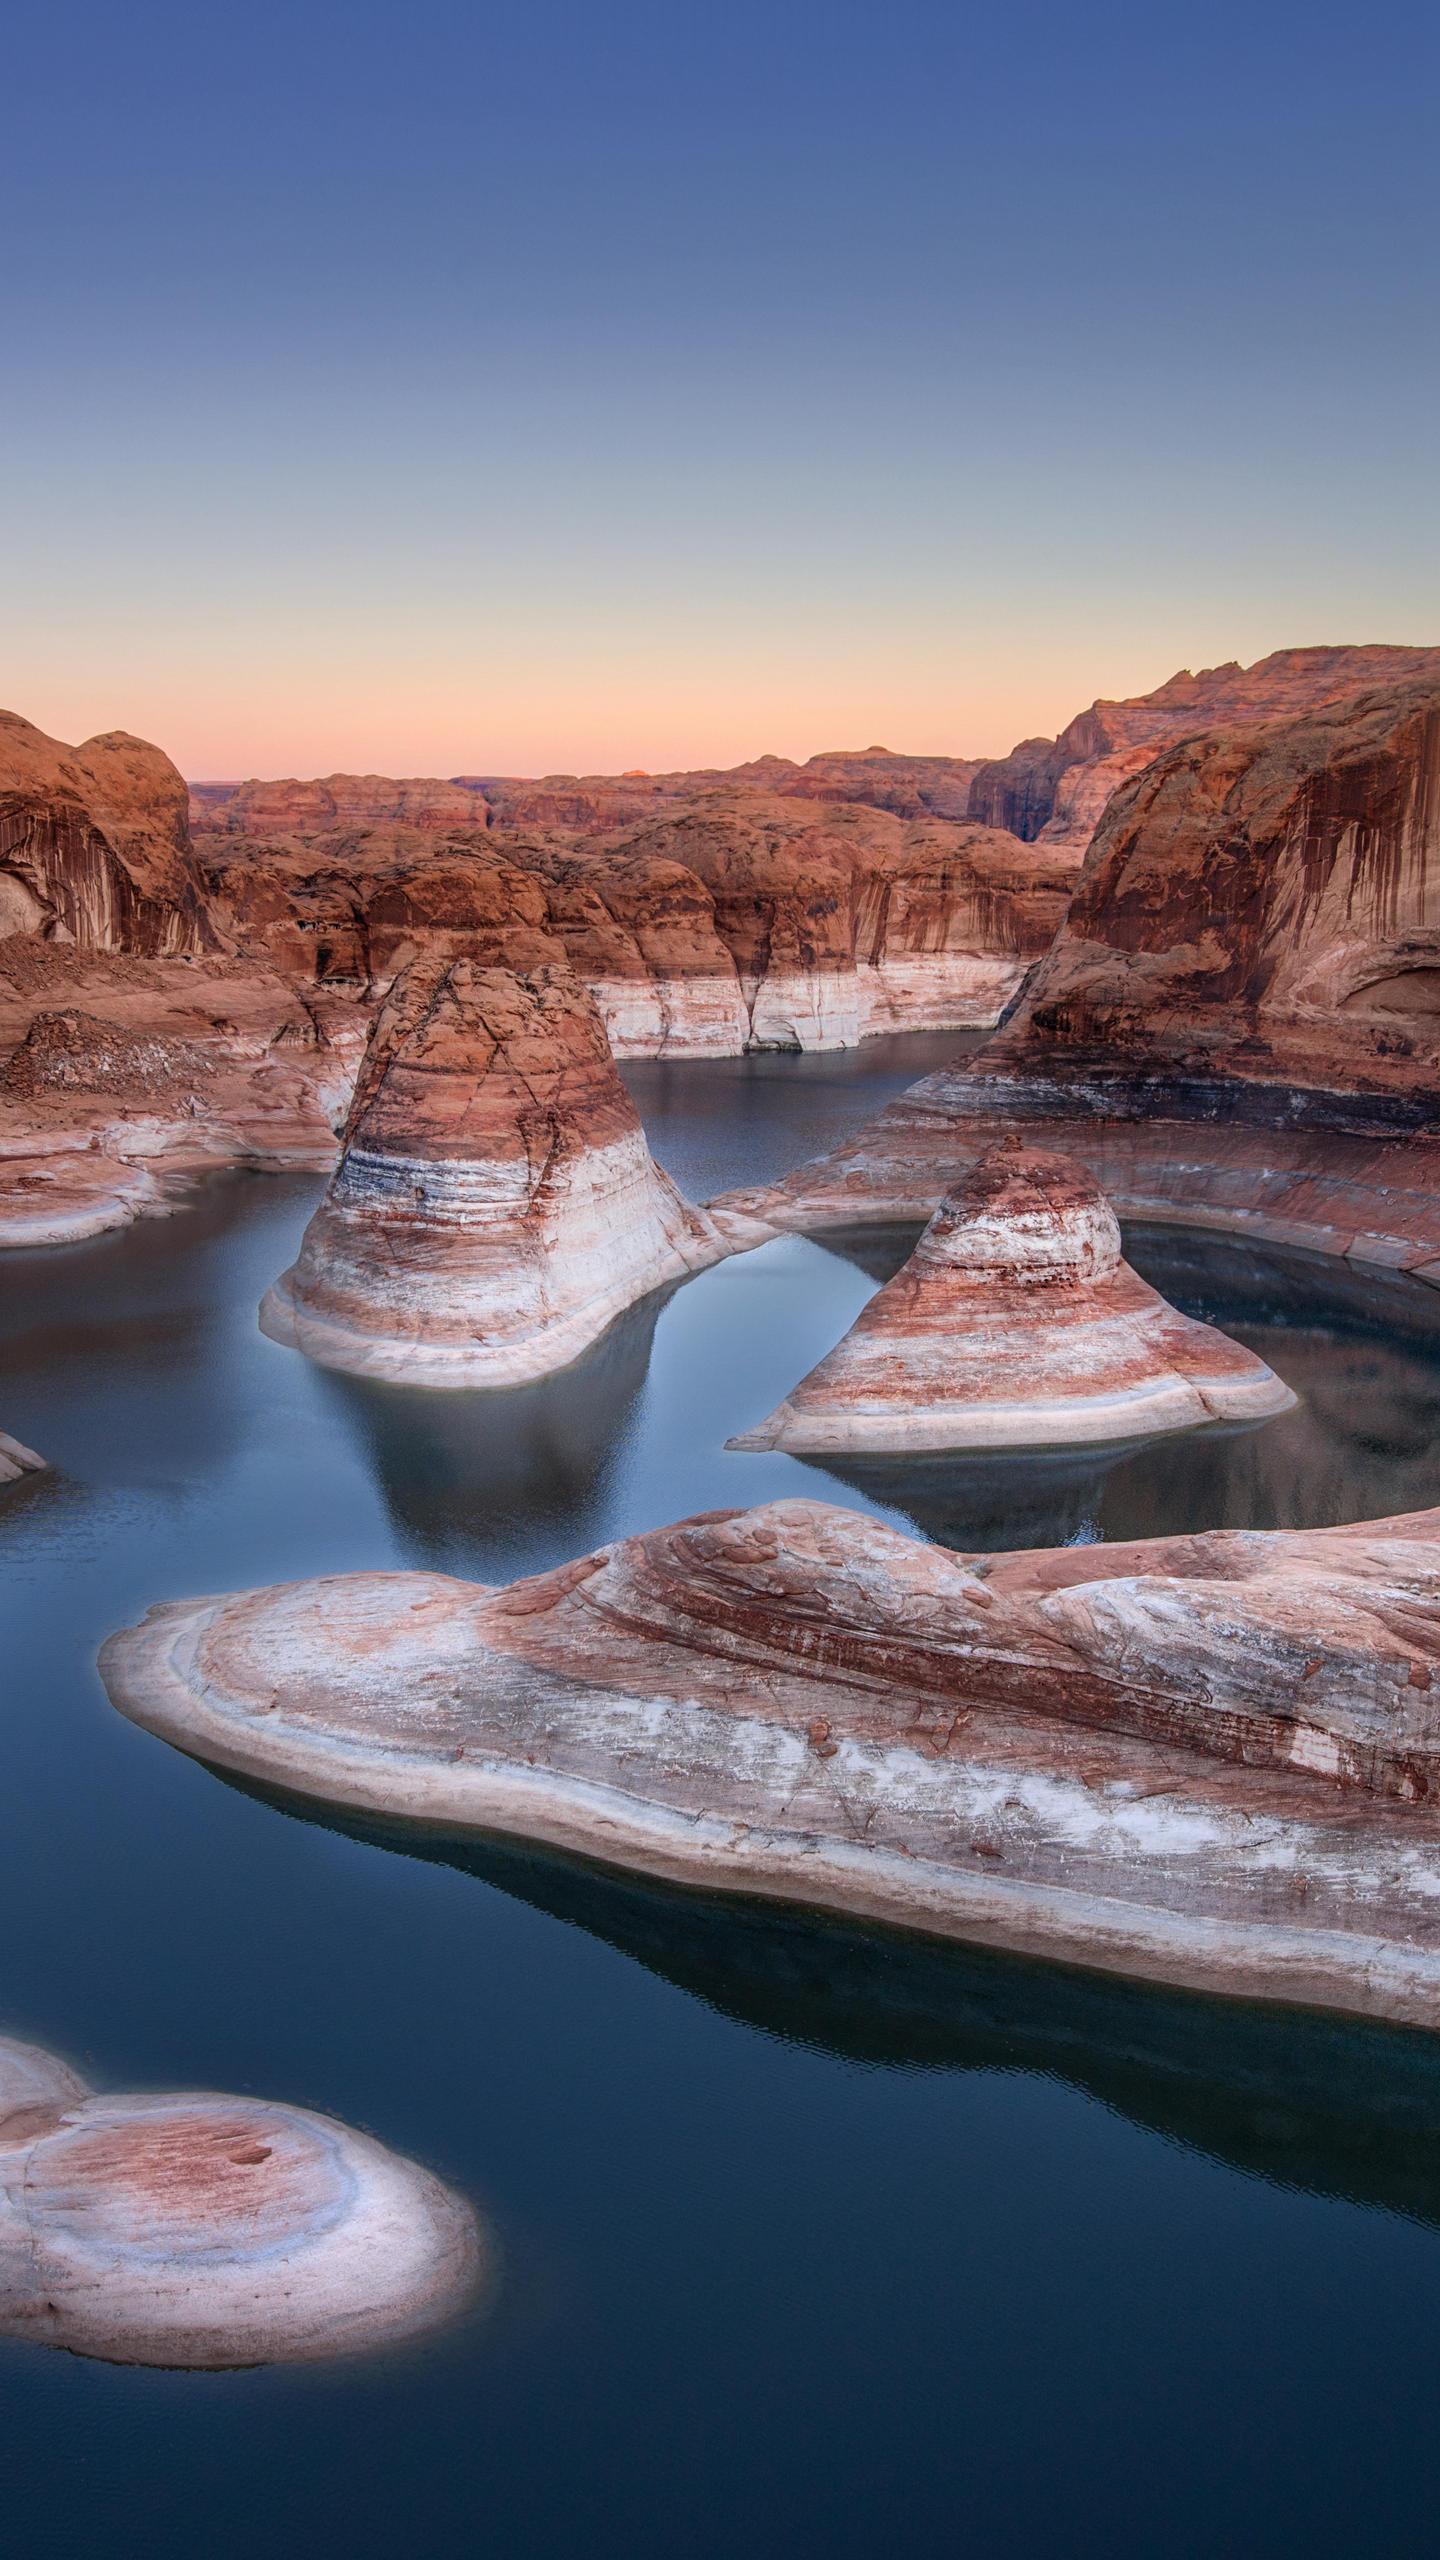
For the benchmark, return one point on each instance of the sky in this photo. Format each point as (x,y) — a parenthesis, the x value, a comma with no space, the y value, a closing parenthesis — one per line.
(527,388)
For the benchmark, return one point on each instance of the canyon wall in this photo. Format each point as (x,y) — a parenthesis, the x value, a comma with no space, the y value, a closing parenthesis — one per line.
(1261,903)
(737,921)
(1055,789)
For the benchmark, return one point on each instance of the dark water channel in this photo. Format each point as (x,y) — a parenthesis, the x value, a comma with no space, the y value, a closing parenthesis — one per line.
(815,2242)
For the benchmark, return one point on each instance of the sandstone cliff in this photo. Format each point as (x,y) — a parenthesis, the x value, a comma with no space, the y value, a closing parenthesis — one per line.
(95,845)
(1055,789)
(740,920)
(1261,903)
(579,804)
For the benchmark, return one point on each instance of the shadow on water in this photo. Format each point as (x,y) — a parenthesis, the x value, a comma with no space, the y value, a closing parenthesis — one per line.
(1362,1352)
(1328,2105)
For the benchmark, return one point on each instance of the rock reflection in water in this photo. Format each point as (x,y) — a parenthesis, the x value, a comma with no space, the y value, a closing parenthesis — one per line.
(1334,2106)
(1361,1351)
(502,1468)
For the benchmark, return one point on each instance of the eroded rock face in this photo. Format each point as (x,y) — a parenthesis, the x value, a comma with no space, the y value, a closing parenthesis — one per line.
(340,800)
(127,1079)
(1210,1760)
(1262,904)
(1056,789)
(95,845)
(496,1204)
(1016,1322)
(209,2231)
(842,921)
(745,920)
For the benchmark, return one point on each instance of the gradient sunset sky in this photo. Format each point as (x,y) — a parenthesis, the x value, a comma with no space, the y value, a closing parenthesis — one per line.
(523,388)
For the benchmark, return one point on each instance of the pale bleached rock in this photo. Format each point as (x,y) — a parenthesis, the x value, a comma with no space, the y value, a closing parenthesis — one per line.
(17,1461)
(200,2230)
(1017,1322)
(1207,1760)
(496,1205)
(1163,1156)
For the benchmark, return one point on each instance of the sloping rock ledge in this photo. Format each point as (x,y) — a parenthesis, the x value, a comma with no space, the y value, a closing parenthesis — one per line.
(1211,1761)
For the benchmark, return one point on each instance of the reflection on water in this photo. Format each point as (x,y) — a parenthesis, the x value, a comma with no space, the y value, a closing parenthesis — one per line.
(1332,2105)
(464,1473)
(1362,1353)
(804,2223)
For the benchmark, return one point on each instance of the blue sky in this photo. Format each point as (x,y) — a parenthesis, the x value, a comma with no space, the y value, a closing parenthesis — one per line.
(442,389)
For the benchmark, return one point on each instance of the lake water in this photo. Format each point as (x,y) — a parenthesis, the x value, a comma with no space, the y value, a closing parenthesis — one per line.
(815,2241)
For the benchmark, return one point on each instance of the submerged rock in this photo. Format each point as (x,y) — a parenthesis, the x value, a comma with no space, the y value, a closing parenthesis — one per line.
(1207,1760)
(496,1205)
(1017,1321)
(199,2230)
(17,1461)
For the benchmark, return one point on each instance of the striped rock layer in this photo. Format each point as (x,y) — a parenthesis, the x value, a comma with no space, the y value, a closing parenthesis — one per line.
(193,2229)
(1017,1321)
(495,1205)
(1206,1760)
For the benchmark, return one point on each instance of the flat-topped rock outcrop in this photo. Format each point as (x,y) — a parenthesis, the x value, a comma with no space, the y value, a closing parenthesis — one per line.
(206,2231)
(1211,1760)
(291,807)
(1170,1157)
(1017,1321)
(495,1205)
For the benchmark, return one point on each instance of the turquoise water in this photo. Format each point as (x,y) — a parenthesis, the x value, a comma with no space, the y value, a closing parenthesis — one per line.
(813,2240)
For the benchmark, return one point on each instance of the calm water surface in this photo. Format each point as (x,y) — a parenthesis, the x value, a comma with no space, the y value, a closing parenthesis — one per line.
(814,2242)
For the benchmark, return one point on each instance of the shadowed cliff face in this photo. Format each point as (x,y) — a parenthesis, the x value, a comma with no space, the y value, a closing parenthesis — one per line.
(95,845)
(1261,902)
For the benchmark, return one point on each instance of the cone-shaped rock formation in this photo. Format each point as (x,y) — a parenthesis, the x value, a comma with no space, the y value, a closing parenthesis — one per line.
(1017,1321)
(496,1205)
(191,2229)
(1212,1760)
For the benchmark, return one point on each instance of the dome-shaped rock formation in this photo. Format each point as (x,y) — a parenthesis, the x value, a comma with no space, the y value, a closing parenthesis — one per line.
(193,2229)
(1017,1321)
(496,1205)
(1211,1760)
